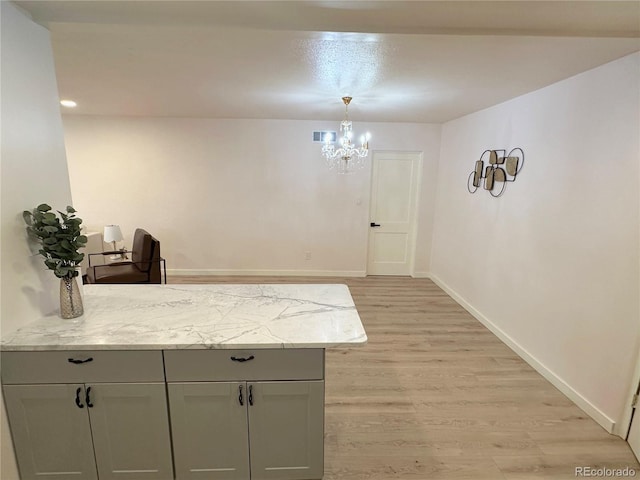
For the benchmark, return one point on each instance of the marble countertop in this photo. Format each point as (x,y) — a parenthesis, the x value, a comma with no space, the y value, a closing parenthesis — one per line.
(212,316)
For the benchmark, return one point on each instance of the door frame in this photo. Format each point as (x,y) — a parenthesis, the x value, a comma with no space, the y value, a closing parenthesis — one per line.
(622,429)
(416,210)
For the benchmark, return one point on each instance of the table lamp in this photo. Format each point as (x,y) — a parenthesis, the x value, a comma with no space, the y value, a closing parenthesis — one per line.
(113,234)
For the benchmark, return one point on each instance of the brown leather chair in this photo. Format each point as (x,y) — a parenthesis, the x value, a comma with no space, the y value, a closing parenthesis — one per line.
(144,266)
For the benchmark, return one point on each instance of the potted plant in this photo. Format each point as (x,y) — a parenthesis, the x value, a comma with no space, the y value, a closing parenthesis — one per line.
(60,238)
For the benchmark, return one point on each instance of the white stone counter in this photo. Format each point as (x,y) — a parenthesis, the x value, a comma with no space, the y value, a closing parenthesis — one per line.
(212,316)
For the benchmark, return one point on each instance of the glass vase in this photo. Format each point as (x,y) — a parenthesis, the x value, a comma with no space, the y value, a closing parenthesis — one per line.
(70,299)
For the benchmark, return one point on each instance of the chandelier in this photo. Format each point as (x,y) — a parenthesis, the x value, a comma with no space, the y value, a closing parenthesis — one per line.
(348,157)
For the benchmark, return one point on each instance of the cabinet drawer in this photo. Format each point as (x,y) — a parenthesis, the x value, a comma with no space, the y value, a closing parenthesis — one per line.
(219,365)
(104,366)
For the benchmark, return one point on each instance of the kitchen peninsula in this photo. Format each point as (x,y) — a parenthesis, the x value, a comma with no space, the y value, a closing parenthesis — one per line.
(215,381)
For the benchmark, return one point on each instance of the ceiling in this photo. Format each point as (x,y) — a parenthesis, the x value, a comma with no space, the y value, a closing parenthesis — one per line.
(415,61)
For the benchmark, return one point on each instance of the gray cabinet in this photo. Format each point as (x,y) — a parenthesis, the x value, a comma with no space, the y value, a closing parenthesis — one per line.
(286,430)
(51,435)
(88,429)
(130,429)
(235,414)
(208,422)
(258,429)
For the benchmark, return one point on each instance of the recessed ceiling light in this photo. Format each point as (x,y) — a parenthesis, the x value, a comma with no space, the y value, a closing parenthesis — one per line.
(68,103)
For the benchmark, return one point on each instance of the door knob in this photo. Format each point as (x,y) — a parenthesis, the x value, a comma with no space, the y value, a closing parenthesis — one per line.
(373,224)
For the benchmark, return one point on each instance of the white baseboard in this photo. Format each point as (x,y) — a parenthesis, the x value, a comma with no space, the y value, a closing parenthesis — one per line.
(421,275)
(594,412)
(275,273)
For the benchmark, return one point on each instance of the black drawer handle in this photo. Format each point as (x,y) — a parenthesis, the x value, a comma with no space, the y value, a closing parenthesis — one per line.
(77,362)
(240,398)
(251,395)
(88,399)
(78,398)
(240,359)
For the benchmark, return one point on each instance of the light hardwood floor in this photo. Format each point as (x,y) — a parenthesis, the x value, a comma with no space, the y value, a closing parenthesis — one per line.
(435,395)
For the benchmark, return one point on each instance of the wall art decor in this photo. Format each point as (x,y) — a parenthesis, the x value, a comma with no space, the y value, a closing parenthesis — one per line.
(502,168)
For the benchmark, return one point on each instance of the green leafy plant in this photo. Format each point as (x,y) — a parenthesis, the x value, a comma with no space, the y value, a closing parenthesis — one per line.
(59,236)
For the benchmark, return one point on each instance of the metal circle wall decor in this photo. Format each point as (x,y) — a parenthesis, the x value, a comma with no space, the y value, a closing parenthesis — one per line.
(502,168)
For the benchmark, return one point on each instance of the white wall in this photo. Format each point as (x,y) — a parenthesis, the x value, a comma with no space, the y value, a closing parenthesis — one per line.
(237,196)
(552,265)
(34,170)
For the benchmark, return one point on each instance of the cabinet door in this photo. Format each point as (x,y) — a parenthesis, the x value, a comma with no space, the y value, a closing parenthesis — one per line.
(51,433)
(209,426)
(130,426)
(286,430)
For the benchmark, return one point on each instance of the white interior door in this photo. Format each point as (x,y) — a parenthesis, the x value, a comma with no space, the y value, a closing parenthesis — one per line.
(394,194)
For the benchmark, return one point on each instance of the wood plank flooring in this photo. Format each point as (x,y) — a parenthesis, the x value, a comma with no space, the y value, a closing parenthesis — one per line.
(435,395)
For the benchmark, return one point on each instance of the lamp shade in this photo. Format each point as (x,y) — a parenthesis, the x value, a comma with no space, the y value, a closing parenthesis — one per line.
(112,233)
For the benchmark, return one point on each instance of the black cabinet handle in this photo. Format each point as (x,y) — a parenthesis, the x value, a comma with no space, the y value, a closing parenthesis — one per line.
(240,359)
(78,398)
(77,362)
(87,399)
(240,397)
(251,395)
(373,224)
